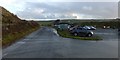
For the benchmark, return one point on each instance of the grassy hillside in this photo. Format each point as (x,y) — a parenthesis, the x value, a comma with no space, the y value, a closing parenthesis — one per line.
(14,28)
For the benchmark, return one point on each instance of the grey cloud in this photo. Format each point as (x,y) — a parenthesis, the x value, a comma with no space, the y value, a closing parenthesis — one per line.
(53,10)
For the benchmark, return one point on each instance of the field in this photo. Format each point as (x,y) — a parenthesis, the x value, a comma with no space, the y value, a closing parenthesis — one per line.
(113,23)
(45,23)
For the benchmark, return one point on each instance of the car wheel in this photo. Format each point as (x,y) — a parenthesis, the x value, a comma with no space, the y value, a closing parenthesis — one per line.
(75,34)
(89,35)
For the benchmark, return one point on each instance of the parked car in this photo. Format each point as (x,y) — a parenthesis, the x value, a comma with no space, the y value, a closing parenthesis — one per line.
(80,31)
(92,28)
(106,27)
(62,26)
(71,28)
(89,27)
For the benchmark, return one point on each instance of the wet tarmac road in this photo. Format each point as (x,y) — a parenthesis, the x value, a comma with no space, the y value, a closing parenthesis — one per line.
(46,43)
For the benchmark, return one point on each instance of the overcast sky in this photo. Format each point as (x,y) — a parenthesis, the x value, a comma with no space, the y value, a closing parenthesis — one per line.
(54,9)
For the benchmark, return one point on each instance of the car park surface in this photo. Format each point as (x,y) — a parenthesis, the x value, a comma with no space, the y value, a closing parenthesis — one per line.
(46,43)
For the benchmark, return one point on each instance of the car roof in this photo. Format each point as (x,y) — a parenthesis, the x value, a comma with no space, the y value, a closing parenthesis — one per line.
(81,27)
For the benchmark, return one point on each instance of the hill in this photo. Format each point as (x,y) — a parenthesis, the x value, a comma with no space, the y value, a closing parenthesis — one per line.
(13,28)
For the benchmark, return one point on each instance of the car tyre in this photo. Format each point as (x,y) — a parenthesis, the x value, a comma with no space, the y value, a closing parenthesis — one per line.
(89,35)
(75,34)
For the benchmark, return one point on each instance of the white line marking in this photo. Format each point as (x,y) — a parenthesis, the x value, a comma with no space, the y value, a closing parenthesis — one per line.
(55,32)
(21,42)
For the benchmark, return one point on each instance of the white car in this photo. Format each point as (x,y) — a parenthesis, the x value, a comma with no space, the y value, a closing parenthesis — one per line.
(89,27)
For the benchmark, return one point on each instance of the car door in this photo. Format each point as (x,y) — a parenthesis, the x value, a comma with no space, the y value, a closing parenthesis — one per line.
(81,32)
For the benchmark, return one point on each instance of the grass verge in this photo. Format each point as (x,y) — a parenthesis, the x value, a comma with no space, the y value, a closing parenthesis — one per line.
(66,34)
(11,38)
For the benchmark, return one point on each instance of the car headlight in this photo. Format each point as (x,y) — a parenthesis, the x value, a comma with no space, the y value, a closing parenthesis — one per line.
(91,32)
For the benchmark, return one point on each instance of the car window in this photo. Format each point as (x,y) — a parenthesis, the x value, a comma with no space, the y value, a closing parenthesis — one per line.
(79,28)
(82,29)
